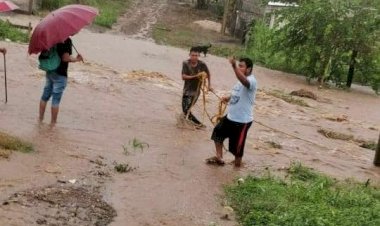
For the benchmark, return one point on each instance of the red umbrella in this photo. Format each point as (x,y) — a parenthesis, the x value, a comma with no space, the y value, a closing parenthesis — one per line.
(59,25)
(6,6)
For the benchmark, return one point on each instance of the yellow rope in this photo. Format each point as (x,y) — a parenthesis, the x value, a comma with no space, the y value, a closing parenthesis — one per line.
(203,86)
(215,119)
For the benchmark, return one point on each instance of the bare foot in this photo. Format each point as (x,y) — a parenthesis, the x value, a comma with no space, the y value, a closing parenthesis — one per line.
(215,161)
(52,125)
(237,162)
(200,126)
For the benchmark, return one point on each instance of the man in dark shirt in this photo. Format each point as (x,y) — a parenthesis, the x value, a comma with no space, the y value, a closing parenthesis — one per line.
(56,81)
(190,74)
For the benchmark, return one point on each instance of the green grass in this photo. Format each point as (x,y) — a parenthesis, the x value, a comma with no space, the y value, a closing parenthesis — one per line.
(185,37)
(371,145)
(123,168)
(109,11)
(10,143)
(227,50)
(305,198)
(181,36)
(135,144)
(7,31)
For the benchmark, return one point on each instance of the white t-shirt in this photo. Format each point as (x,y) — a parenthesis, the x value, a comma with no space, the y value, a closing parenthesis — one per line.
(240,107)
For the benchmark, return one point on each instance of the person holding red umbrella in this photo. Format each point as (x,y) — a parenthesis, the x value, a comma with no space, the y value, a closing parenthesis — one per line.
(51,38)
(56,80)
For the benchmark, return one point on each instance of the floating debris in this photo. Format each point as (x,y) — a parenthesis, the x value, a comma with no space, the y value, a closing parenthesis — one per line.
(123,168)
(304,93)
(341,118)
(335,135)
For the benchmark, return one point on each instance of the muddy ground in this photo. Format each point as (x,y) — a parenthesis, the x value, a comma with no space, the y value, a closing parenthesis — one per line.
(114,98)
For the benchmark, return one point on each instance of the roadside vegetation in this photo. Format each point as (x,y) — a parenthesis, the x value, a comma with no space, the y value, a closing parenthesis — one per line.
(304,197)
(8,32)
(334,42)
(109,10)
(184,36)
(10,143)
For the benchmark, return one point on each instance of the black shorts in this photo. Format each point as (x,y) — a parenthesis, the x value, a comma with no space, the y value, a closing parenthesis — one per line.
(236,133)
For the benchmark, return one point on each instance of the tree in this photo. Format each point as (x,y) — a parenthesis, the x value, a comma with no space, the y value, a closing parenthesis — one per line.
(377,155)
(201,4)
(325,39)
(362,33)
(228,11)
(310,36)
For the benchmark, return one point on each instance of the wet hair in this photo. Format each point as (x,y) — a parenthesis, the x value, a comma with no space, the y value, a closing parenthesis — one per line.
(248,62)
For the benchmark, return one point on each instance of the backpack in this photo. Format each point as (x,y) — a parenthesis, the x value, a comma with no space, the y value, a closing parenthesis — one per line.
(49,60)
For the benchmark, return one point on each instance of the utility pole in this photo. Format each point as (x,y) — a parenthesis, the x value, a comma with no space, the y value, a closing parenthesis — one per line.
(225,16)
(377,155)
(31,4)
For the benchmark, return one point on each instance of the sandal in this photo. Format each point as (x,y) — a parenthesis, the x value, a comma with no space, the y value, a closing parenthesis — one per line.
(215,161)
(200,126)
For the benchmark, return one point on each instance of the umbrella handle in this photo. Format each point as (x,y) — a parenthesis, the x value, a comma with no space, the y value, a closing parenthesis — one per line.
(76,50)
(5,79)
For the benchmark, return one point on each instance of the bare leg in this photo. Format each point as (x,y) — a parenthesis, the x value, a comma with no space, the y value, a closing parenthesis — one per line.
(42,110)
(219,150)
(54,115)
(237,161)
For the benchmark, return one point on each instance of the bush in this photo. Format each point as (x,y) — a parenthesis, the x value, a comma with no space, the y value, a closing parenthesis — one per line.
(307,198)
(320,39)
(12,33)
(109,10)
(52,4)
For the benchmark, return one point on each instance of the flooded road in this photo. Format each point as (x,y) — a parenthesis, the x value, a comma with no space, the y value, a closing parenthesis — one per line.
(104,109)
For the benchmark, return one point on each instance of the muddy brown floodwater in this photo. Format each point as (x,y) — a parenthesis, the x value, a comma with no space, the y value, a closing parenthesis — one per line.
(106,106)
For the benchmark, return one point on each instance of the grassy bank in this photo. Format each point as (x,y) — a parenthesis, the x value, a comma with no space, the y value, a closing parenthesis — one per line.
(186,37)
(109,10)
(7,31)
(305,198)
(10,143)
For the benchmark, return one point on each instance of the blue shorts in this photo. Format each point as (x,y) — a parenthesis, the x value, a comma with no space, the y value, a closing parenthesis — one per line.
(54,87)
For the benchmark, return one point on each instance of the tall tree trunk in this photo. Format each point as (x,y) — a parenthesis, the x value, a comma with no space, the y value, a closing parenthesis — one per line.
(324,69)
(377,155)
(351,70)
(201,4)
(225,16)
(31,4)
(229,10)
(312,65)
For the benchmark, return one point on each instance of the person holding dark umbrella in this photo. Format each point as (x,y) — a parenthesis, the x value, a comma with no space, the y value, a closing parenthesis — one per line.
(51,38)
(3,51)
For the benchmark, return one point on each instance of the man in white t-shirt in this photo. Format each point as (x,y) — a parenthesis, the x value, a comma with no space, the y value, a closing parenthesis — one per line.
(236,123)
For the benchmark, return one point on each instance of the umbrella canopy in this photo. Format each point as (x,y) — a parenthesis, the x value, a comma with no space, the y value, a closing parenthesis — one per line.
(59,25)
(6,6)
